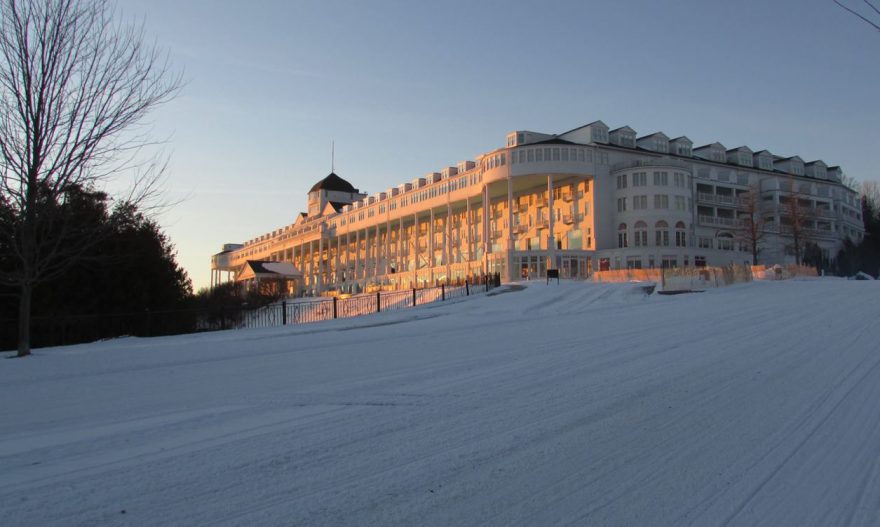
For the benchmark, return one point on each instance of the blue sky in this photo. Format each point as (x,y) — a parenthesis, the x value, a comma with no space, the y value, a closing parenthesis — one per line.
(406,88)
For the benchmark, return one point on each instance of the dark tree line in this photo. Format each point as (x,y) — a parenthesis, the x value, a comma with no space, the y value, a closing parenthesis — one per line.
(865,255)
(115,287)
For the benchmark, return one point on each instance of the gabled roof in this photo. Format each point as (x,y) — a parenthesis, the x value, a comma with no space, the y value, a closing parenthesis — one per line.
(816,162)
(553,141)
(622,128)
(268,269)
(584,126)
(714,145)
(781,159)
(763,152)
(652,135)
(334,183)
(740,148)
(681,138)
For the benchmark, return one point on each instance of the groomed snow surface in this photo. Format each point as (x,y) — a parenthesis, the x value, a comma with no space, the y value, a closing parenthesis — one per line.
(576,404)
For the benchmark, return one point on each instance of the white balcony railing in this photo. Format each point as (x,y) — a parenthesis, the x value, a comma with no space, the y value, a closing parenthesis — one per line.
(719,221)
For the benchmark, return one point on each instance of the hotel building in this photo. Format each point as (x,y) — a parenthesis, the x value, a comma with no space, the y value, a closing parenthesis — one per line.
(585,200)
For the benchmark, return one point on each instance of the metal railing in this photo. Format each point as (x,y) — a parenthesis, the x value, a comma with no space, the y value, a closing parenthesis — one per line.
(71,329)
(716,220)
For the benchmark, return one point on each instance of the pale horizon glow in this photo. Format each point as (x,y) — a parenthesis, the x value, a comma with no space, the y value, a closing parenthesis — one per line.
(404,89)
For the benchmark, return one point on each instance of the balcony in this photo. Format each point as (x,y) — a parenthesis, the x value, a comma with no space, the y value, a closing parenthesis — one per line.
(719,221)
(567,197)
(497,234)
(722,199)
(542,223)
(568,219)
(520,229)
(542,202)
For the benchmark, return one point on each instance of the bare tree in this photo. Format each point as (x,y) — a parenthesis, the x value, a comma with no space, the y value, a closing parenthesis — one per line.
(874,13)
(871,194)
(75,86)
(752,228)
(798,220)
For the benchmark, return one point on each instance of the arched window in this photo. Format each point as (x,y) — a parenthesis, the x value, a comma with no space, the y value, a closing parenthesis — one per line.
(621,235)
(641,234)
(661,233)
(725,241)
(680,235)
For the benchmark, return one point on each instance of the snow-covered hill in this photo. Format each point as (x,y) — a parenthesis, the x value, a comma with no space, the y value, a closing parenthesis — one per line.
(583,404)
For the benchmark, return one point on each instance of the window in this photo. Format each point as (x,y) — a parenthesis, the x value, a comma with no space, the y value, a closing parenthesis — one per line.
(661,201)
(678,179)
(661,178)
(680,235)
(699,261)
(703,243)
(621,204)
(621,236)
(621,181)
(640,179)
(669,262)
(633,262)
(661,234)
(641,234)
(725,242)
(640,202)
(680,203)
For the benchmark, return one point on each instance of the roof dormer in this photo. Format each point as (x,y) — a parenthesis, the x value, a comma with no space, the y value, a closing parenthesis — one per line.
(595,132)
(763,160)
(656,142)
(790,165)
(742,156)
(623,136)
(712,152)
(524,137)
(816,169)
(681,146)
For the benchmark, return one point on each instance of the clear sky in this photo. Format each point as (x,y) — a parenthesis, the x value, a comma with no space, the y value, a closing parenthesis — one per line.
(405,88)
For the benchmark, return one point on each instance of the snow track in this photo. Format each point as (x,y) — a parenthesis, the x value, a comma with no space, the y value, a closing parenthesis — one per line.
(576,404)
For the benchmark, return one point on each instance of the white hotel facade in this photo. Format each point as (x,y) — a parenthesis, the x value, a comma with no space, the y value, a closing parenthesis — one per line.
(581,201)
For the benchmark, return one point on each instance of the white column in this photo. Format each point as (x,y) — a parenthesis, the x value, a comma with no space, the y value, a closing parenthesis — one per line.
(416,242)
(485,222)
(386,267)
(551,238)
(431,260)
(313,280)
(357,254)
(320,263)
(399,256)
(510,234)
(338,258)
(447,239)
(468,228)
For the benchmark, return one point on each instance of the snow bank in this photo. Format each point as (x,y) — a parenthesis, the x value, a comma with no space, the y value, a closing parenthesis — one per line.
(579,403)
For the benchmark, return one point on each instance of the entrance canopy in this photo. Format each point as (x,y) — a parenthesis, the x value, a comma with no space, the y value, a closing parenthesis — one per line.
(265,270)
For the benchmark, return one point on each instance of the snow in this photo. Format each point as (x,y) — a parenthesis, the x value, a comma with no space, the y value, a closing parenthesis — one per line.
(579,403)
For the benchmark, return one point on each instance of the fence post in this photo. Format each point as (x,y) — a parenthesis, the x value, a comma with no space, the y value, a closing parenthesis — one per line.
(378,301)
(487,284)
(414,297)
(442,292)
(334,307)
(467,291)
(283,313)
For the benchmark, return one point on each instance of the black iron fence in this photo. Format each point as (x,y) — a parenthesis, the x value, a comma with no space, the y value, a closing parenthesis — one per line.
(72,329)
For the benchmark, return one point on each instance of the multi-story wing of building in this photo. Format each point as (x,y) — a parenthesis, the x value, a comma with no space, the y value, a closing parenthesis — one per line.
(581,201)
